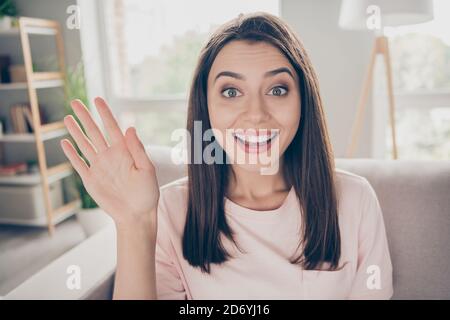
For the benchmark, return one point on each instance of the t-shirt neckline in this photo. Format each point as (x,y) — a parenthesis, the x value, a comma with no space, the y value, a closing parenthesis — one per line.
(236,209)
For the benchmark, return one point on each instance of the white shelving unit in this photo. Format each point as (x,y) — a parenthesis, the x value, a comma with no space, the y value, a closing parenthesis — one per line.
(42,132)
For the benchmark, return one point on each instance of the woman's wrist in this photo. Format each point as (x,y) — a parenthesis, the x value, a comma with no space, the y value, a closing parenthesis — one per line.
(134,222)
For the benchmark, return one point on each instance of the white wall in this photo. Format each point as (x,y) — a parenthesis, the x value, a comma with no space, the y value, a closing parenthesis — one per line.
(340,59)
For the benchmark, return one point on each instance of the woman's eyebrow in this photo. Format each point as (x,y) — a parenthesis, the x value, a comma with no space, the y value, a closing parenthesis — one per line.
(239,76)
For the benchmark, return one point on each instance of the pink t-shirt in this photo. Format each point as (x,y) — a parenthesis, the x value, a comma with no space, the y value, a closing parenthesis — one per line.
(269,239)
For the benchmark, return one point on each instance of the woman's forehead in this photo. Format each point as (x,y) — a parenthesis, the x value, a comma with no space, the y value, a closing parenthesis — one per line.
(239,56)
(245,48)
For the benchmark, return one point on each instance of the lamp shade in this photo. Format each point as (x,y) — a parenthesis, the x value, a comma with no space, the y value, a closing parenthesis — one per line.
(354,13)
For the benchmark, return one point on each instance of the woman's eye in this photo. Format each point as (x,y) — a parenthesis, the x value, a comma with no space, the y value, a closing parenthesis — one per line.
(232,93)
(278,91)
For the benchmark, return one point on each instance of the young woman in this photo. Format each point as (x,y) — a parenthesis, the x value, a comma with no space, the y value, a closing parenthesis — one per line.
(228,231)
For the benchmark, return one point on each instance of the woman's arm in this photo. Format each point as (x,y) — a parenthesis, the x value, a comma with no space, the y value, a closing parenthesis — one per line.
(122,180)
(135,273)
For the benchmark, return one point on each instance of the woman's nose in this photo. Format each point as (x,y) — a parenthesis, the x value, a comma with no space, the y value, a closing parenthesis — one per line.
(257,113)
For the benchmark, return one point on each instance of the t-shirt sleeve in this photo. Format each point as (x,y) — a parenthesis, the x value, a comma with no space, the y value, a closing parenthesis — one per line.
(169,285)
(374,270)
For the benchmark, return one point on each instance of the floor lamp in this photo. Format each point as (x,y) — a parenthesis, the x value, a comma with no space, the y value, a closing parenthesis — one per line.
(375,15)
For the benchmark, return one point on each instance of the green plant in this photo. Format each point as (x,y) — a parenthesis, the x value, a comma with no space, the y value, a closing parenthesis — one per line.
(76,89)
(7,8)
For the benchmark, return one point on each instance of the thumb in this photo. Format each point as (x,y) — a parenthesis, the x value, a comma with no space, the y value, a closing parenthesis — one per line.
(137,150)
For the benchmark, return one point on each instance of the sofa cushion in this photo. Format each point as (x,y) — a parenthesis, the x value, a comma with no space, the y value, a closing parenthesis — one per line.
(414,197)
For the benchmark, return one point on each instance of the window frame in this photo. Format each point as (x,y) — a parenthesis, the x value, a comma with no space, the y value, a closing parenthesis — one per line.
(179,103)
(132,104)
(419,99)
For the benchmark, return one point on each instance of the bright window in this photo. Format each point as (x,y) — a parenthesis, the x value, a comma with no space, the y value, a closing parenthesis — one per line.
(421,69)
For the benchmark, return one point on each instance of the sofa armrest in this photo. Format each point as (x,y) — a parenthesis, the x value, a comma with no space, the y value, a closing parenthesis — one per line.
(96,260)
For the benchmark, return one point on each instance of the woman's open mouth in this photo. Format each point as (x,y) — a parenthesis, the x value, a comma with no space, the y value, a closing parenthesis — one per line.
(255,142)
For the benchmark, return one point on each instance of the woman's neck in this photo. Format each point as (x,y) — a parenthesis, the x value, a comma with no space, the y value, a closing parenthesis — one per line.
(252,185)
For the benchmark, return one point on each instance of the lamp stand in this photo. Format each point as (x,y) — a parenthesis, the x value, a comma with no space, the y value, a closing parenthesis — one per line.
(381,46)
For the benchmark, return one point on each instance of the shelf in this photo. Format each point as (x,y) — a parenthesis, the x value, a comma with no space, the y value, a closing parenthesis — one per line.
(36,84)
(40,23)
(40,30)
(67,208)
(49,127)
(30,137)
(41,80)
(39,76)
(13,86)
(49,131)
(55,173)
(48,84)
(60,170)
(10,32)
(29,30)
(59,215)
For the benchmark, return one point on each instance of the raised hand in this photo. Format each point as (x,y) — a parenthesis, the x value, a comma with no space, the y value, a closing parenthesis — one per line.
(120,176)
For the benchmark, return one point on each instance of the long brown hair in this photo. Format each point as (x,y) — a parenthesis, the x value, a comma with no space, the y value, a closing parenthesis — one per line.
(308,160)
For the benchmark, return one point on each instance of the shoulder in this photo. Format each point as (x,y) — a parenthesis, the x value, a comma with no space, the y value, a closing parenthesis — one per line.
(172,205)
(353,192)
(349,182)
(175,189)
(349,178)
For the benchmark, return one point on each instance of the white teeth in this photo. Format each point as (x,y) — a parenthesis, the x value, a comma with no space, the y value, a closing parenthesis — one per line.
(254,139)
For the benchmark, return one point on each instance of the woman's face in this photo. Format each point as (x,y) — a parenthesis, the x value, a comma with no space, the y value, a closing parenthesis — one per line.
(253,103)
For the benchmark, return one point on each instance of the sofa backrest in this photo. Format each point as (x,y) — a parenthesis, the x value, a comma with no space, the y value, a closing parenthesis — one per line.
(415,200)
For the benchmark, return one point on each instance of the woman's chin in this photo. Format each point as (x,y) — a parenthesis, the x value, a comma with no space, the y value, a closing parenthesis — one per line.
(269,168)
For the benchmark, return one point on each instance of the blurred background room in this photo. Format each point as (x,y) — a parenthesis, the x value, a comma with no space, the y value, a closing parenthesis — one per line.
(384,74)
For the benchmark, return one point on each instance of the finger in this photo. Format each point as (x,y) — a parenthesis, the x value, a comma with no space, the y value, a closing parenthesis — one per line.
(80,138)
(111,126)
(137,150)
(92,130)
(77,162)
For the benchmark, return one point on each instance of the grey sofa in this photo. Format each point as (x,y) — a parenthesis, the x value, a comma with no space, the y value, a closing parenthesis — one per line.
(415,200)
(414,197)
